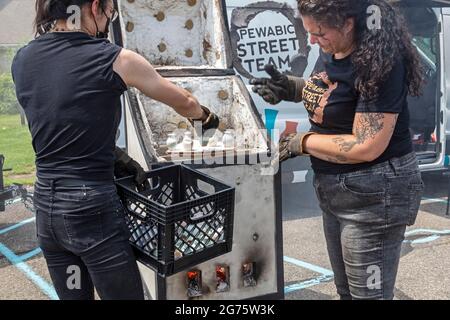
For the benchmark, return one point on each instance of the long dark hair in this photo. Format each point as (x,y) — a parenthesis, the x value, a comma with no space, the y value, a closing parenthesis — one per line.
(377,50)
(48,11)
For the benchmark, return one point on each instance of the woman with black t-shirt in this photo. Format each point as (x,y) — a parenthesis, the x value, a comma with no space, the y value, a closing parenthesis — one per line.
(366,177)
(69,81)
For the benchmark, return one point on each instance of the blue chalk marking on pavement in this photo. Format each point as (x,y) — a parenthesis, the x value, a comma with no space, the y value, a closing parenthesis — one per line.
(18,225)
(429,235)
(434,200)
(424,240)
(427,231)
(29,273)
(327,275)
(307,284)
(309,266)
(30,254)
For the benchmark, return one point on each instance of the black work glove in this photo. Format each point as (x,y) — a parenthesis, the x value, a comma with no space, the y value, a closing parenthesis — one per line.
(208,127)
(125,166)
(279,87)
(292,146)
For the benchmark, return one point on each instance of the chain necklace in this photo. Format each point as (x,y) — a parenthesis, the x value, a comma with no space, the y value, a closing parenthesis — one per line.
(55,29)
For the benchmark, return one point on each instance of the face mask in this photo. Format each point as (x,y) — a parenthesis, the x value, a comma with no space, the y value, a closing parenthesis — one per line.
(104,34)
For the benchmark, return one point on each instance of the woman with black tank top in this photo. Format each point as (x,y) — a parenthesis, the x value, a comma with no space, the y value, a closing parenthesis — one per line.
(366,175)
(69,80)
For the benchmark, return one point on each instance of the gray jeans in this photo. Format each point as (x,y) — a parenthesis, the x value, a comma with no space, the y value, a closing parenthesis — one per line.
(365,214)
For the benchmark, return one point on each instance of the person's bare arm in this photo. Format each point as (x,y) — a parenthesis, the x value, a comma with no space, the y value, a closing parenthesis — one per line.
(137,72)
(372,133)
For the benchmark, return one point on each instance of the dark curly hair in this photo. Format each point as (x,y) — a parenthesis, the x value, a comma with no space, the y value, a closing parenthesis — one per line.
(377,50)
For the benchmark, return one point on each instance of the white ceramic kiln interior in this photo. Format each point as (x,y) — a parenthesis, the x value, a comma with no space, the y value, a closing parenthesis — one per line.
(175,33)
(223,96)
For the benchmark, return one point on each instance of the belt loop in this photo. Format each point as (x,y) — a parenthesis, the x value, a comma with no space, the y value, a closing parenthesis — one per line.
(392,165)
(52,187)
(52,192)
(52,204)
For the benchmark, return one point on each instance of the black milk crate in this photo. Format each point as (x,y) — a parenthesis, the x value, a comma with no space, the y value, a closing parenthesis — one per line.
(184,218)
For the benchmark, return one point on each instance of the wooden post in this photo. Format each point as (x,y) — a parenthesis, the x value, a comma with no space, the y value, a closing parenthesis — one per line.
(22,116)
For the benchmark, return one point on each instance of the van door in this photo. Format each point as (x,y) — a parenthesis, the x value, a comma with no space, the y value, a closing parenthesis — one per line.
(446,77)
(428,112)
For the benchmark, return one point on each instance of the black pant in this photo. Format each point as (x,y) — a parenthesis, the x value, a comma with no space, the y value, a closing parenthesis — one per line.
(84,238)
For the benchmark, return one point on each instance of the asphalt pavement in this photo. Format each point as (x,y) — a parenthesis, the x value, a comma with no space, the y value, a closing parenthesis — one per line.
(423,272)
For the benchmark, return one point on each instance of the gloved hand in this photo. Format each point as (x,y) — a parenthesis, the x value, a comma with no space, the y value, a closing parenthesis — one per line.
(125,166)
(209,125)
(279,87)
(292,146)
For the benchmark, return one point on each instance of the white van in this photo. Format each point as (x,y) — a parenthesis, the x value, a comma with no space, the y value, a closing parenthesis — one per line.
(271,32)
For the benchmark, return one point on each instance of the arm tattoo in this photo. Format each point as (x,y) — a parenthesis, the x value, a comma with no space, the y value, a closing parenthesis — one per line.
(338,159)
(368,126)
(341,158)
(345,145)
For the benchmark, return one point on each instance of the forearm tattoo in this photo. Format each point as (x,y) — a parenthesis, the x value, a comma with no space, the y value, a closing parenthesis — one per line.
(368,126)
(338,159)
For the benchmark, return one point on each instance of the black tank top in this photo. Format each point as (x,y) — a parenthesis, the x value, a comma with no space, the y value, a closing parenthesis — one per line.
(66,84)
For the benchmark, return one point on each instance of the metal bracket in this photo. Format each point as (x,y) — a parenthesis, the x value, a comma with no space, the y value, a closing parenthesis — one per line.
(9,195)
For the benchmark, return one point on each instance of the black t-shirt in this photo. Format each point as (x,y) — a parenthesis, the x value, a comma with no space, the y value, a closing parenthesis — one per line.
(66,84)
(332,100)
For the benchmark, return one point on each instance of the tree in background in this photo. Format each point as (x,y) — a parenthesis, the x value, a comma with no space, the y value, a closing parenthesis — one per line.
(8,100)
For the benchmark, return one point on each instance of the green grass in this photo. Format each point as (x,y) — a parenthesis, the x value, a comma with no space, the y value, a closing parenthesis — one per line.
(15,145)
